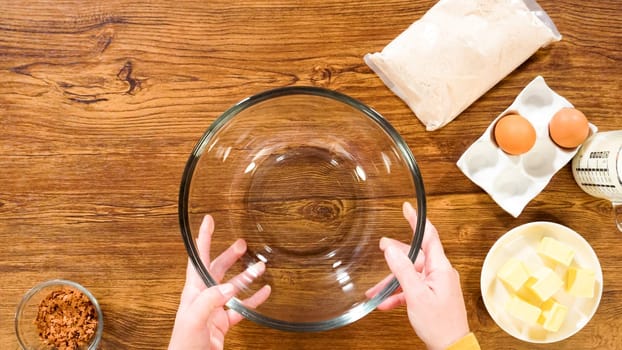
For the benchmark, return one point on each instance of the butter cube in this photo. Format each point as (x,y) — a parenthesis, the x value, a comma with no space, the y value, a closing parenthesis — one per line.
(528,295)
(580,282)
(513,274)
(543,284)
(553,315)
(556,251)
(523,310)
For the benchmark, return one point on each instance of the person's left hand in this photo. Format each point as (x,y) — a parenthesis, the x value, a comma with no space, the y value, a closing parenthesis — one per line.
(202,321)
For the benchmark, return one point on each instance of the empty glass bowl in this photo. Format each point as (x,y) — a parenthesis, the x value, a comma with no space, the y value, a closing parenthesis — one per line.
(311,179)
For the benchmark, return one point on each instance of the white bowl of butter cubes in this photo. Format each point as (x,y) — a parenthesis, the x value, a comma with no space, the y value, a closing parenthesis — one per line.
(541,282)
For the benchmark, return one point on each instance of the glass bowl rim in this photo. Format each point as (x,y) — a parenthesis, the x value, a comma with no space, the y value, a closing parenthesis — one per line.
(67,283)
(360,310)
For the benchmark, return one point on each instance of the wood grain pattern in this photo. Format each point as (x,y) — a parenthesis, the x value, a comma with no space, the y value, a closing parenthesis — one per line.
(102,102)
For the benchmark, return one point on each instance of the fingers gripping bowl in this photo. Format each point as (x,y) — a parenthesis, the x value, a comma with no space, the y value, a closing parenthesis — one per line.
(311,180)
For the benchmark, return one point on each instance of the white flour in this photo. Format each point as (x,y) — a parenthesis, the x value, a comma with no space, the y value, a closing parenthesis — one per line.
(459,50)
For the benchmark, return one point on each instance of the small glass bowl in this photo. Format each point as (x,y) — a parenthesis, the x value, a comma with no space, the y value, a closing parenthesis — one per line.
(27,310)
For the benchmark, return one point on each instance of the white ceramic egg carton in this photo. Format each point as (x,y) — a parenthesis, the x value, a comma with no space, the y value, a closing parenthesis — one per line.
(513,181)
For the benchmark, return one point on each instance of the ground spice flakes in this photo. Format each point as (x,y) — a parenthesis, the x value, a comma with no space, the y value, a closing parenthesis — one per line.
(66,319)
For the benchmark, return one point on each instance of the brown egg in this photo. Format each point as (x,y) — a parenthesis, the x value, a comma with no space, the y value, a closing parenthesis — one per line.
(569,128)
(514,134)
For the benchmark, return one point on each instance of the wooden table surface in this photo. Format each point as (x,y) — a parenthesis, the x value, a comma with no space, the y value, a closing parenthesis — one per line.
(102,102)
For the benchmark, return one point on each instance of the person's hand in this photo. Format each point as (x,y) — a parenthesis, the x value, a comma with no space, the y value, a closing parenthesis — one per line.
(430,288)
(202,321)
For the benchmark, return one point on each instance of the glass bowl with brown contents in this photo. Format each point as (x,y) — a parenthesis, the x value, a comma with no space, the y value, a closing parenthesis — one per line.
(59,315)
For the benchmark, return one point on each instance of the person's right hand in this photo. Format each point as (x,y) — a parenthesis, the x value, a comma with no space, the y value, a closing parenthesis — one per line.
(430,288)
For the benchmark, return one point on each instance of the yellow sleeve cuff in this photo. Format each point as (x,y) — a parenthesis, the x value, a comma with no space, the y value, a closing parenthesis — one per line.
(468,342)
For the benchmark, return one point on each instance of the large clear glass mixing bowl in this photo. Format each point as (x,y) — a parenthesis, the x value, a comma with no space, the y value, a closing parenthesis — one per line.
(311,179)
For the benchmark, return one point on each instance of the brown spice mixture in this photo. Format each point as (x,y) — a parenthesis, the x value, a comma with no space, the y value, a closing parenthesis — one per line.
(66,320)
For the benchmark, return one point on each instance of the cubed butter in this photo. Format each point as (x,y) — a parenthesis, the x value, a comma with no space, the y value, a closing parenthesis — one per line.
(528,295)
(553,315)
(556,251)
(580,282)
(513,274)
(523,310)
(543,283)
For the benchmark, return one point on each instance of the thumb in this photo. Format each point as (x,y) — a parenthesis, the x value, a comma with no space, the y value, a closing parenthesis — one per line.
(410,280)
(209,300)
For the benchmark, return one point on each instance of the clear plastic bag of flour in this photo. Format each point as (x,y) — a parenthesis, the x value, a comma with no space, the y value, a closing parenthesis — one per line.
(458,51)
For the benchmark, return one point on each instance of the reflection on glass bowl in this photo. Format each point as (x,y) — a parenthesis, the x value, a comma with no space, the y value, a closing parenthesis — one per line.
(311,179)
